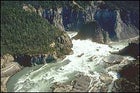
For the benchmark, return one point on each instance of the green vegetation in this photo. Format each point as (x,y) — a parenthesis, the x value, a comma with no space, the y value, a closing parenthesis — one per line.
(24,32)
(48,4)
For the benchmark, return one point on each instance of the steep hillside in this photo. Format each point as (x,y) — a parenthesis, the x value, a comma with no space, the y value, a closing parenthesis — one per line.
(92,31)
(114,17)
(23,32)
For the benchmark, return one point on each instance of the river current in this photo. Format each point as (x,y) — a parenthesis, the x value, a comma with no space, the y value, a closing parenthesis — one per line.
(40,78)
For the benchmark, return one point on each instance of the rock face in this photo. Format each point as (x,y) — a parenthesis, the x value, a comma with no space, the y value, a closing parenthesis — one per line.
(29,8)
(123,85)
(58,87)
(65,18)
(124,28)
(64,44)
(8,68)
(6,59)
(93,31)
(80,84)
(106,19)
(83,83)
(54,16)
(127,76)
(51,41)
(131,50)
(115,24)
(3,83)
(128,70)
(129,81)
(112,60)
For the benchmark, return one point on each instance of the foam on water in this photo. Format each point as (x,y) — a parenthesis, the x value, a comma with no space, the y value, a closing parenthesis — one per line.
(42,78)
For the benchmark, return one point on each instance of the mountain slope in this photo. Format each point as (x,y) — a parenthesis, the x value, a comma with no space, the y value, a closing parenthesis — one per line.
(27,33)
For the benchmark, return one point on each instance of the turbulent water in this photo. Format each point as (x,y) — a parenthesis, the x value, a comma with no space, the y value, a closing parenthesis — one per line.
(40,78)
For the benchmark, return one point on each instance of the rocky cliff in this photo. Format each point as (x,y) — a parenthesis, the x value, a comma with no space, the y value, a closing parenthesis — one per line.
(119,21)
(93,31)
(28,37)
(129,74)
(8,68)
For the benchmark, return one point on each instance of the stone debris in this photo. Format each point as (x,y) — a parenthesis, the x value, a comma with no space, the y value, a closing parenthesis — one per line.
(83,83)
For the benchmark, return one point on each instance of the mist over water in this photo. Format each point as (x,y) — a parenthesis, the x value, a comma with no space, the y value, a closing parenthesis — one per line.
(41,78)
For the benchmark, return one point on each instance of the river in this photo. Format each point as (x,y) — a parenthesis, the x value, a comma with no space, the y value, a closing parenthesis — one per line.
(40,78)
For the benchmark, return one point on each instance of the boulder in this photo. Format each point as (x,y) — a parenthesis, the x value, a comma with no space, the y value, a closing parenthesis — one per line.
(81,83)
(129,78)
(105,78)
(131,72)
(118,67)
(80,55)
(29,8)
(123,85)
(112,60)
(131,50)
(6,59)
(58,87)
(10,69)
(64,44)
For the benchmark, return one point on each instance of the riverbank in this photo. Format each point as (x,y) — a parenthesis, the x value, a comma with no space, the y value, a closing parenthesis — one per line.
(8,69)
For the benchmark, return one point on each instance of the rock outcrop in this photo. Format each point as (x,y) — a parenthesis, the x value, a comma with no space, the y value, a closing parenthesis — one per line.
(129,78)
(29,8)
(128,70)
(93,31)
(43,37)
(131,50)
(58,87)
(112,60)
(83,83)
(8,68)
(6,59)
(124,28)
(64,44)
(115,23)
(54,16)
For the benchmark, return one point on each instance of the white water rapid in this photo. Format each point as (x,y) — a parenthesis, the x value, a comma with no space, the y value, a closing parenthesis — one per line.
(41,78)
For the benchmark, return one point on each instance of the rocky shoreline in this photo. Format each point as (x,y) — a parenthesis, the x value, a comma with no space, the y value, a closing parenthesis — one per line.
(8,68)
(100,21)
(115,62)
(84,83)
(127,75)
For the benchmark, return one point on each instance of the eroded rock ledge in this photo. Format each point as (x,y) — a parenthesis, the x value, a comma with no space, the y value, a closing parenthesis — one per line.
(8,68)
(83,83)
